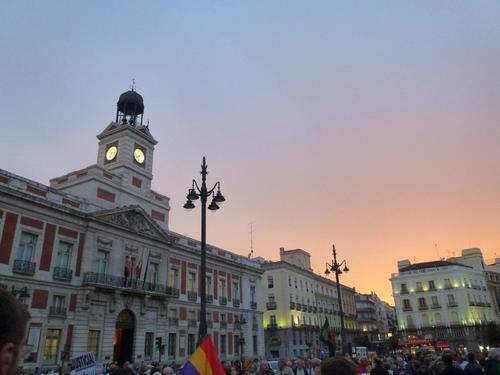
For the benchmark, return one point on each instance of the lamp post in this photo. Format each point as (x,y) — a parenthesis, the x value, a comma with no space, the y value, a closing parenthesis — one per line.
(335,267)
(202,193)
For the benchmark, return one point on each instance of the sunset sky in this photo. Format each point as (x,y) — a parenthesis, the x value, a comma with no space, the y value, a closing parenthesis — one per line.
(371,125)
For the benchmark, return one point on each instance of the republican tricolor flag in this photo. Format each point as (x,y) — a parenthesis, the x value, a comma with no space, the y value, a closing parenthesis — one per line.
(204,360)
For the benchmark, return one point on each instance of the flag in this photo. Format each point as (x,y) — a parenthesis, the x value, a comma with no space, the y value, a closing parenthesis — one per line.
(204,360)
(326,336)
(128,266)
(138,268)
(324,331)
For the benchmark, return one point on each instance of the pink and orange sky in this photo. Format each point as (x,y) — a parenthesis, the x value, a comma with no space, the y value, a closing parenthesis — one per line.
(374,126)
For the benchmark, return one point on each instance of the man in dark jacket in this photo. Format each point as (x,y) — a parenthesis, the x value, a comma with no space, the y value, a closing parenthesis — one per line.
(379,369)
(449,368)
(473,367)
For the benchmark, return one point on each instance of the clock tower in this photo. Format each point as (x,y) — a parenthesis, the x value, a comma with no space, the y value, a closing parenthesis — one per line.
(124,170)
(126,146)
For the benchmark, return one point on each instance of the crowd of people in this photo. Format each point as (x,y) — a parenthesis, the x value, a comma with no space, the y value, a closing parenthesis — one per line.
(422,363)
(14,319)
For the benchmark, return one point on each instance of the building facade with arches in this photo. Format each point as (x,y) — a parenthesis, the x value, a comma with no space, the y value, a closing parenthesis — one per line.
(94,260)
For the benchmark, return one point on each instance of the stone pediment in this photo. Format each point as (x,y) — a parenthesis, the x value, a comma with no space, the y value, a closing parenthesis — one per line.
(134,219)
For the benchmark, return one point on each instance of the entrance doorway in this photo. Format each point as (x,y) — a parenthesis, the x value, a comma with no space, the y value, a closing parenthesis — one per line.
(124,337)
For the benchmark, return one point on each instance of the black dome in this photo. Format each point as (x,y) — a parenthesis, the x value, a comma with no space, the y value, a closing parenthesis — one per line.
(130,103)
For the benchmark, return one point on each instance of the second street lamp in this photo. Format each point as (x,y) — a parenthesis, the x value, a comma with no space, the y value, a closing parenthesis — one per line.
(335,267)
(201,192)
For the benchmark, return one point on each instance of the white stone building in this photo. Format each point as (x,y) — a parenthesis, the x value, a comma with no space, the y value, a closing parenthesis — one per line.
(441,300)
(297,301)
(93,258)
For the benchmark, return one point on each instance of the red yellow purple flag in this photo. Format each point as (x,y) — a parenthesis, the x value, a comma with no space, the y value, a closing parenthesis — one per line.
(204,360)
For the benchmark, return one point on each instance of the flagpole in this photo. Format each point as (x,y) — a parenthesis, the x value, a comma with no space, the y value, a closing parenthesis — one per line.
(146,272)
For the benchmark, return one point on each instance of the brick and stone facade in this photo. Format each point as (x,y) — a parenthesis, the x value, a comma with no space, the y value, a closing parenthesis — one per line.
(94,260)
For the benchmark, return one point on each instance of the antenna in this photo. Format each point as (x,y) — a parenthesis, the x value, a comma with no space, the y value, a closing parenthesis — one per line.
(251,241)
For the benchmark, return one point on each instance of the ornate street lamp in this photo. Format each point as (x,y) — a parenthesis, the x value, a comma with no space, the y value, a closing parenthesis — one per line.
(335,267)
(194,193)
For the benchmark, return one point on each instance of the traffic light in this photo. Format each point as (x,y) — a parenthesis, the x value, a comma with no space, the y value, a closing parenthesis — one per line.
(158,343)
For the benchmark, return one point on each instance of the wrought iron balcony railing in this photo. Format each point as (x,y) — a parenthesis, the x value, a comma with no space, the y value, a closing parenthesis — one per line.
(271,305)
(24,266)
(192,296)
(192,323)
(57,311)
(223,325)
(236,302)
(118,282)
(62,274)
(223,301)
(253,305)
(210,298)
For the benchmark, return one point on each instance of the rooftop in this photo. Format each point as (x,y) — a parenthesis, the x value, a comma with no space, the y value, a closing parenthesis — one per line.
(432,264)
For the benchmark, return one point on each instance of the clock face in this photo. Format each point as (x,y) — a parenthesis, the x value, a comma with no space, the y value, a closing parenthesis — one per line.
(139,155)
(111,153)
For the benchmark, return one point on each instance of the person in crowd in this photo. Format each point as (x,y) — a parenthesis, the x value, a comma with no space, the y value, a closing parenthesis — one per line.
(378,369)
(284,367)
(492,364)
(167,370)
(300,368)
(316,366)
(450,368)
(363,366)
(264,368)
(13,331)
(472,367)
(337,366)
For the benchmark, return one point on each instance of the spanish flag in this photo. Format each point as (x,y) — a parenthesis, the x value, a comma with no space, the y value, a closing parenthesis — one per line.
(204,360)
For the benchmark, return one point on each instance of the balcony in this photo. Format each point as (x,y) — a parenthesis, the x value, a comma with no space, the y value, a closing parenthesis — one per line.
(423,307)
(57,312)
(435,306)
(420,290)
(237,325)
(255,327)
(407,308)
(271,305)
(448,286)
(210,298)
(309,308)
(452,304)
(404,291)
(223,325)
(222,301)
(292,305)
(253,305)
(192,296)
(320,310)
(210,324)
(236,302)
(432,289)
(472,303)
(111,282)
(62,274)
(173,322)
(24,266)
(272,326)
(192,323)
(315,309)
(298,307)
